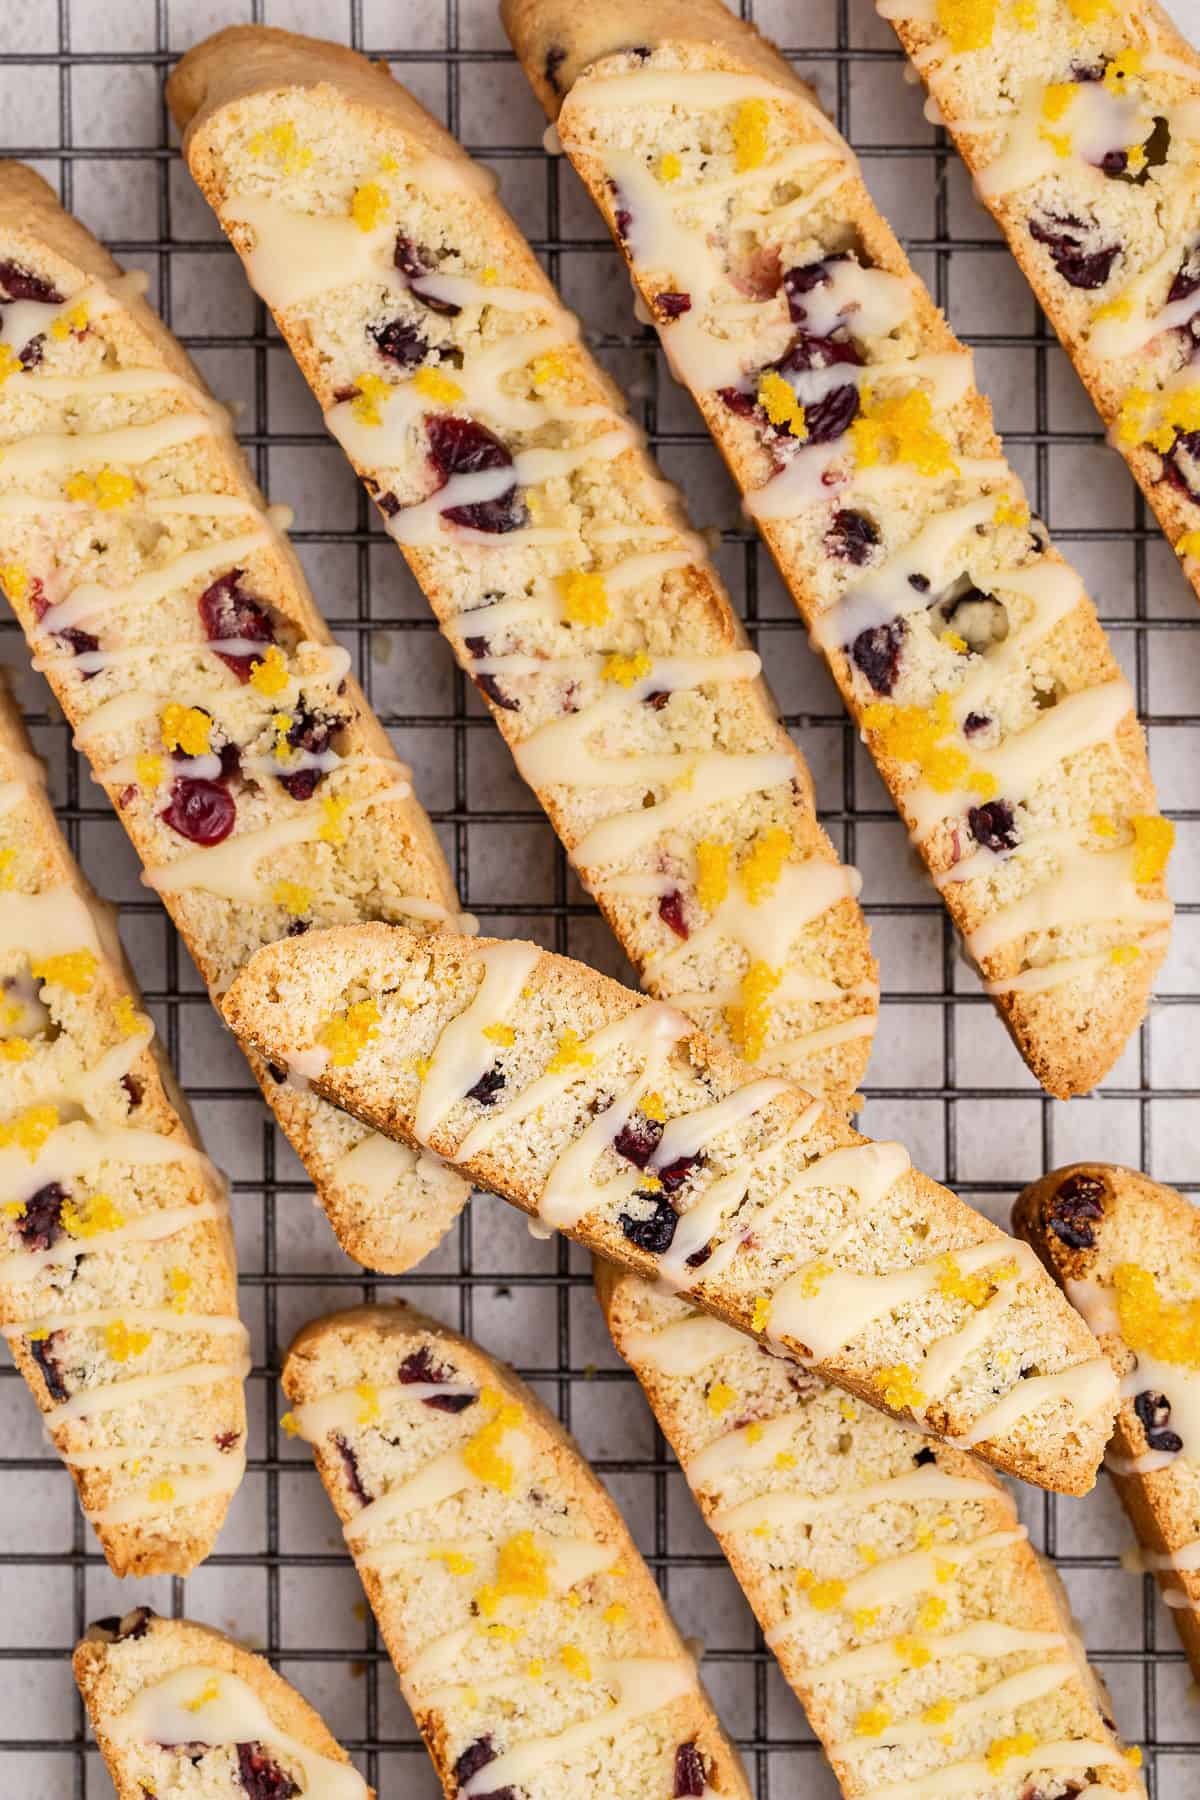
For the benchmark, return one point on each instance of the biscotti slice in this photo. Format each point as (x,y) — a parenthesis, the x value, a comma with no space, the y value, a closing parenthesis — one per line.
(182,1712)
(529,1637)
(118,1292)
(616,1121)
(561,566)
(890,1576)
(963,644)
(179,635)
(1126,1251)
(1080,124)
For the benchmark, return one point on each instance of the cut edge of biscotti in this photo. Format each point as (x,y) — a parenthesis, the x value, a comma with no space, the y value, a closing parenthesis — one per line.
(183,1674)
(157,1509)
(841,1528)
(342,1374)
(379,1020)
(1126,1251)
(40,234)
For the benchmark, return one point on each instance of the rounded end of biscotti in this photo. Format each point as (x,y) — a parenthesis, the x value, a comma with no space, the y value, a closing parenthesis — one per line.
(1062,1213)
(19,183)
(188,83)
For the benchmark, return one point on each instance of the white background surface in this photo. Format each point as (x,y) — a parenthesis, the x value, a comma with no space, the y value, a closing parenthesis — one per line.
(943,1077)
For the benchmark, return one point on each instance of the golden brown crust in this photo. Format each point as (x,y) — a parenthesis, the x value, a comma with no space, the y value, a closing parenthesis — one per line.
(1129,1219)
(1068,1039)
(35,228)
(111,1669)
(306,1377)
(284,995)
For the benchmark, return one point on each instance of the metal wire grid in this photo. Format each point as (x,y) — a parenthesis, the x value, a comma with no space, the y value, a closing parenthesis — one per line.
(54,1587)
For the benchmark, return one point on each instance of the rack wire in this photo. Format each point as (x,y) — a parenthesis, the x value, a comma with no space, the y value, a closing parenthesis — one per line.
(85,94)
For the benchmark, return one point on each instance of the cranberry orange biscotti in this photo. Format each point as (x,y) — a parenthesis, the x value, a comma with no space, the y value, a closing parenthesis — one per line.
(179,635)
(182,1712)
(118,1292)
(615,1120)
(890,1576)
(1127,1253)
(560,564)
(529,1637)
(963,644)
(1080,121)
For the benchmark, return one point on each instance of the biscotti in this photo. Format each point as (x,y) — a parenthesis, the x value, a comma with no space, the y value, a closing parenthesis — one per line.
(559,563)
(1126,1250)
(1080,123)
(182,1712)
(616,1121)
(964,646)
(890,1576)
(529,1637)
(177,630)
(118,1292)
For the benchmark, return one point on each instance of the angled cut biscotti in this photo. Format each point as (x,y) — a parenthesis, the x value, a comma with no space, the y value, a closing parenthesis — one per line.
(1126,1250)
(963,644)
(118,1292)
(177,630)
(1081,126)
(181,1711)
(890,1576)
(561,566)
(616,1121)
(529,1637)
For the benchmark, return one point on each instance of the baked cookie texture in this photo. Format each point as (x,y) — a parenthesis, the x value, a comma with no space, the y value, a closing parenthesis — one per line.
(529,1637)
(1126,1252)
(118,1291)
(932,1650)
(175,625)
(182,1712)
(563,569)
(1080,124)
(616,1121)
(963,644)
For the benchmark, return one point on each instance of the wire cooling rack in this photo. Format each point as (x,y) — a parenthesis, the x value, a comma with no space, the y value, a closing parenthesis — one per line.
(81,97)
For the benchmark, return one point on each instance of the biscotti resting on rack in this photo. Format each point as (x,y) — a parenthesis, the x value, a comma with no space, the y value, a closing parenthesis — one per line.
(1127,1253)
(562,567)
(176,628)
(182,1712)
(964,645)
(1080,122)
(615,1120)
(529,1637)
(118,1293)
(890,1576)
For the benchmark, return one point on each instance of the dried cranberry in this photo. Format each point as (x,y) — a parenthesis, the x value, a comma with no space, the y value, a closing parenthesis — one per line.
(654,1234)
(476,1756)
(40,1225)
(134,1089)
(121,1630)
(400,342)
(449,1403)
(227,613)
(297,927)
(974,723)
(350,1464)
(1115,163)
(677,1172)
(828,418)
(622,217)
(262,1778)
(1063,235)
(1186,444)
(699,1257)
(227,1441)
(556,56)
(993,825)
(44,1355)
(310,731)
(464,447)
(1076,1201)
(414,261)
(30,354)
(420,1366)
(876,651)
(672,306)
(81,643)
(689,1772)
(738,401)
(670,911)
(920,583)
(487,684)
(924,1457)
(278,1075)
(490,1083)
(388,505)
(1187,278)
(22,284)
(800,281)
(808,352)
(851,536)
(637,1139)
(201,811)
(1154,1411)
